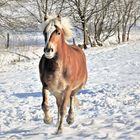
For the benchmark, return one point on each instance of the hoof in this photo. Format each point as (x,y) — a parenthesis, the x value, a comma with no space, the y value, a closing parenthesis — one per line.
(70,119)
(48,120)
(59,131)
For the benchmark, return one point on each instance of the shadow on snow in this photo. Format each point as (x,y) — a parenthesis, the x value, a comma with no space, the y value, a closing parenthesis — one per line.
(39,94)
(26,95)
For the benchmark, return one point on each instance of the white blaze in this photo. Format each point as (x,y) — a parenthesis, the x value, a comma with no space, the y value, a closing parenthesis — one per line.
(50,54)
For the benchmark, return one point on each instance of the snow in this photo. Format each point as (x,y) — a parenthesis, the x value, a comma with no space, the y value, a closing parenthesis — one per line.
(109,103)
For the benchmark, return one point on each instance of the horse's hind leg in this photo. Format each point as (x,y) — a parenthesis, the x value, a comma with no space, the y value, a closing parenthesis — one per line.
(73,102)
(45,106)
(70,118)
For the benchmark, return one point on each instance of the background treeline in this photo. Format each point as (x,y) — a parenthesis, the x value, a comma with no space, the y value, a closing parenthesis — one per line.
(98,20)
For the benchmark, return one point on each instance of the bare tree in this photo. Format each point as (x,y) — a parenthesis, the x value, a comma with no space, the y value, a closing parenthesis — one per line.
(79,12)
(39,9)
(104,22)
(97,19)
(83,12)
(134,17)
(118,11)
(13,17)
(125,18)
(127,15)
(118,17)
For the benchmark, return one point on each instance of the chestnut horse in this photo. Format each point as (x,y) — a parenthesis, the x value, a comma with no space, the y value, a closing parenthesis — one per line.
(63,72)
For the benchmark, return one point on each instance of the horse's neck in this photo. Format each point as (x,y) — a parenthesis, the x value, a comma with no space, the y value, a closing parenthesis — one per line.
(62,50)
(65,55)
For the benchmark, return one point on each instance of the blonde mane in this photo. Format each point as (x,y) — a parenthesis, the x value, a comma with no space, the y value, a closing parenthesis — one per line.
(62,23)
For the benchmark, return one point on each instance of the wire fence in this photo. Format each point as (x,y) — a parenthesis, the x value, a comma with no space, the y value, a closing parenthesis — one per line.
(22,39)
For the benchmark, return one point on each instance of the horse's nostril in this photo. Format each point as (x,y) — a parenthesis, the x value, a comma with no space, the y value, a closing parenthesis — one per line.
(51,49)
(48,50)
(44,49)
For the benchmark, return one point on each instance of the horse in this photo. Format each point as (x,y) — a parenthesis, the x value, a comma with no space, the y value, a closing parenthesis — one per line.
(63,72)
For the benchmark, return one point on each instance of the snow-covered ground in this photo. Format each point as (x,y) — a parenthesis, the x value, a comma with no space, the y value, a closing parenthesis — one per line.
(110,102)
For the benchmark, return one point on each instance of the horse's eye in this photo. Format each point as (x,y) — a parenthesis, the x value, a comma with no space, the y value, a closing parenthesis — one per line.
(58,33)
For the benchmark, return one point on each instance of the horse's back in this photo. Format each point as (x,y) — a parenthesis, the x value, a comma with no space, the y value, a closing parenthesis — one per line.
(77,51)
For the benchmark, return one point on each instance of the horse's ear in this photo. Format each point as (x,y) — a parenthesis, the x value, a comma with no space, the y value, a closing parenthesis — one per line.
(57,23)
(59,18)
(57,28)
(45,18)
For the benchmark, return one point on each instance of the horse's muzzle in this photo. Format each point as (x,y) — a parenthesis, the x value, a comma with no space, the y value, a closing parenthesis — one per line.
(49,53)
(48,50)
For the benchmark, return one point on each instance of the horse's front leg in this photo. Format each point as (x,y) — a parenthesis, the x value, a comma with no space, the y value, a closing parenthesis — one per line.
(45,106)
(63,109)
(59,100)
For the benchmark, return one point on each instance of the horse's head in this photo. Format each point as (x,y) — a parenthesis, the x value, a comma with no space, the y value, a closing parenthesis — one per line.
(62,31)
(55,41)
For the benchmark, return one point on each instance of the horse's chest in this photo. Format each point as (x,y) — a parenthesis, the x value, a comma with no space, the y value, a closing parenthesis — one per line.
(54,78)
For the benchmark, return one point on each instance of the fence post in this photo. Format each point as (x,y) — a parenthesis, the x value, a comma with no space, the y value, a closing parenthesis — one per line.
(8,40)
(74,42)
